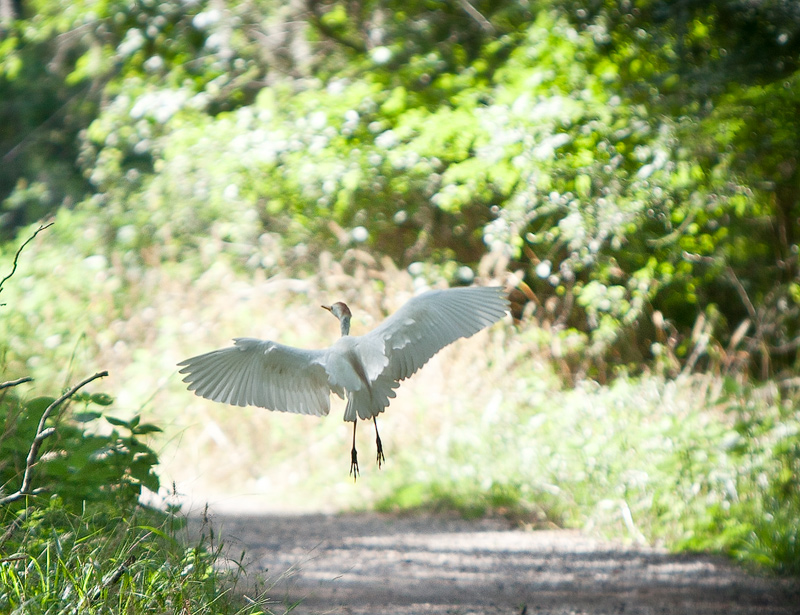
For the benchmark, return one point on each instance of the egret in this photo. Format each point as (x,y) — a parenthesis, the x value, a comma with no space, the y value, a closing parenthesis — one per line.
(366,369)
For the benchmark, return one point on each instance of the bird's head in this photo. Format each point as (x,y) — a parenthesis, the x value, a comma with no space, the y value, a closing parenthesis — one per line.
(342,312)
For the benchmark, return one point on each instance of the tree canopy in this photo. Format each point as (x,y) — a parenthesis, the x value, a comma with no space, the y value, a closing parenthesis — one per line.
(635,163)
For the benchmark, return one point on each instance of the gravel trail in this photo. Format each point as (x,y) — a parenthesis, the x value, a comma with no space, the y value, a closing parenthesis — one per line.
(381,564)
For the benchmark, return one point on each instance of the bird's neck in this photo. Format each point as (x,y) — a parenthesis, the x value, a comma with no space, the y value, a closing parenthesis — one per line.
(345,324)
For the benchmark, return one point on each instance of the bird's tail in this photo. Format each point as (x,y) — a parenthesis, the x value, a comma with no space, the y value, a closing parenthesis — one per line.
(350,412)
(366,403)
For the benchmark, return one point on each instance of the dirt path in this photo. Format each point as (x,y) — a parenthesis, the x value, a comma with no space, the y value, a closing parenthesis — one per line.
(374,564)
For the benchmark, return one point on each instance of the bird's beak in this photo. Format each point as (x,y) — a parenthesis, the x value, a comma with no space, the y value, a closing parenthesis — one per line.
(326,307)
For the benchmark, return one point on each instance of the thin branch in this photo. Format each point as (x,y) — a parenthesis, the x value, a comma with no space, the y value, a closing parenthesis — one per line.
(41,434)
(13,383)
(673,235)
(748,305)
(316,18)
(787,347)
(61,111)
(477,16)
(19,251)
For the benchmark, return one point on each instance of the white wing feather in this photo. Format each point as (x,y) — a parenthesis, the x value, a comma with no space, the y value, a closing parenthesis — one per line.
(428,323)
(264,374)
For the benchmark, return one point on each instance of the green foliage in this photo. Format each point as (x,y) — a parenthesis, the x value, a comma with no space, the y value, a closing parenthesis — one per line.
(510,500)
(81,541)
(73,534)
(132,561)
(58,67)
(677,463)
(77,464)
(635,167)
(727,70)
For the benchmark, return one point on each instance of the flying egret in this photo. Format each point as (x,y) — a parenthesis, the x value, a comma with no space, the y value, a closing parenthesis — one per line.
(367,368)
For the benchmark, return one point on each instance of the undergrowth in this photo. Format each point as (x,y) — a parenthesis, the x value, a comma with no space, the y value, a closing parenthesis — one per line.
(74,537)
(76,540)
(106,560)
(682,463)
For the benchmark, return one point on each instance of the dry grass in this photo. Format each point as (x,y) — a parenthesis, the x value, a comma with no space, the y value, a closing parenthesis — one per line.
(67,311)
(245,458)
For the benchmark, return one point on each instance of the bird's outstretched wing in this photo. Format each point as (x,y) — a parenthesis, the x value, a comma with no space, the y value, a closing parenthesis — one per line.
(426,324)
(264,374)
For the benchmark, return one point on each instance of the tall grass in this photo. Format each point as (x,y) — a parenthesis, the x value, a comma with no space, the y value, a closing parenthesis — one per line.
(55,561)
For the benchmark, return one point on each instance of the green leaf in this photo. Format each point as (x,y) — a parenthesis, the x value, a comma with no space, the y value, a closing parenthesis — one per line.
(85,417)
(101,399)
(117,422)
(151,482)
(39,404)
(146,428)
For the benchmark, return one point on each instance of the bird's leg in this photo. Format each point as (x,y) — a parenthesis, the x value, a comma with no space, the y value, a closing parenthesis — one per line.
(381,458)
(354,455)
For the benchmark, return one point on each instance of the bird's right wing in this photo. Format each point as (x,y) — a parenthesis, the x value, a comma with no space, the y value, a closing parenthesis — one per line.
(264,374)
(406,340)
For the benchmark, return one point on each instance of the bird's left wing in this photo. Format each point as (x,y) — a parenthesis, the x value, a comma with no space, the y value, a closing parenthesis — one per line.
(406,340)
(264,374)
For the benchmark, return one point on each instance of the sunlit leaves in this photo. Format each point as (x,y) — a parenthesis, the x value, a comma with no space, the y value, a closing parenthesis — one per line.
(593,138)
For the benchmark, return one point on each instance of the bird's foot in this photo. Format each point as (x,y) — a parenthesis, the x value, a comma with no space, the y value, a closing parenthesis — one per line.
(354,464)
(381,458)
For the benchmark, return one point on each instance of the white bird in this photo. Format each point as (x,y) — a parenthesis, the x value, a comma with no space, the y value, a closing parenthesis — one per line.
(367,368)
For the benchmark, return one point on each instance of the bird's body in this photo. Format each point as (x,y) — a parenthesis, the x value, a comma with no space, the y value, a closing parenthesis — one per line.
(366,369)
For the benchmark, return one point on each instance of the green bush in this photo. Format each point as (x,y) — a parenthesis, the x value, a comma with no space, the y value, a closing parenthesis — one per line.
(76,464)
(73,534)
(635,176)
(78,540)
(686,464)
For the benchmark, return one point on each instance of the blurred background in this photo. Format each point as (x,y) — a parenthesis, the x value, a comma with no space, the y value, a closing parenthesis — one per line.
(629,170)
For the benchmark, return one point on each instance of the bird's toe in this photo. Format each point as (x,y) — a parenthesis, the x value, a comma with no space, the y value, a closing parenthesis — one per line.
(354,464)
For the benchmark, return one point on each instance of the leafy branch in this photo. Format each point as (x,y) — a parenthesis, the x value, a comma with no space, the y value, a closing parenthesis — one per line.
(42,434)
